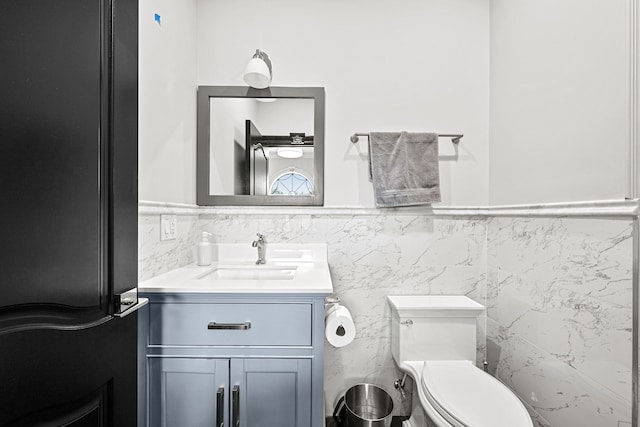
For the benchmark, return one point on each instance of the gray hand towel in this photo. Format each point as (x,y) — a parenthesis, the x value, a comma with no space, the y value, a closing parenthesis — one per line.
(404,168)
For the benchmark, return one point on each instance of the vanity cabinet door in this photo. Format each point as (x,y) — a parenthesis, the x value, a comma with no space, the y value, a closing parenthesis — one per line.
(187,392)
(272,392)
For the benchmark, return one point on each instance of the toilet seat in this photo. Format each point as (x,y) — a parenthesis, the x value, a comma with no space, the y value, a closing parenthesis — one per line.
(465,396)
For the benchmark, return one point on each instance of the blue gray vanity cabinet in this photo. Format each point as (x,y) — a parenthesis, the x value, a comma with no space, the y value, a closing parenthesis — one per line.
(267,370)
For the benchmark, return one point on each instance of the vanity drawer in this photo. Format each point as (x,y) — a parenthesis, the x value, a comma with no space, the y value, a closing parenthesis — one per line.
(230,324)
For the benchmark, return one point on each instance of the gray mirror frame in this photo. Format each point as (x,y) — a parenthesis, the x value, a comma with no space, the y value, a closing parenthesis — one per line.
(203,164)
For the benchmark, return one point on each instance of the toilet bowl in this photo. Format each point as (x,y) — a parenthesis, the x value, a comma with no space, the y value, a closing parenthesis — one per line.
(433,339)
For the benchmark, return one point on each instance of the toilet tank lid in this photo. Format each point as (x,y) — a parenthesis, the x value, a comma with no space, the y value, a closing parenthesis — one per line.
(434,306)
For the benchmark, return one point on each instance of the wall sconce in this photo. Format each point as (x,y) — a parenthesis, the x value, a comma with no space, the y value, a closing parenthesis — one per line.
(258,72)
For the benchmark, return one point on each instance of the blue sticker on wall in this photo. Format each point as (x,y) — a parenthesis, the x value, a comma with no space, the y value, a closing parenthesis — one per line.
(156,18)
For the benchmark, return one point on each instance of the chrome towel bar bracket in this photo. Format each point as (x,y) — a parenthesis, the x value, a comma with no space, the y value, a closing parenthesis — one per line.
(455,138)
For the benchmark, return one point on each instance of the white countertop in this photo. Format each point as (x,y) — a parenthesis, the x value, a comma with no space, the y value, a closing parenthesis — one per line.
(312,272)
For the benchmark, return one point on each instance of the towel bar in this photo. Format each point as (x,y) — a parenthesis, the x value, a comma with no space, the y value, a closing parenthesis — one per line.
(455,138)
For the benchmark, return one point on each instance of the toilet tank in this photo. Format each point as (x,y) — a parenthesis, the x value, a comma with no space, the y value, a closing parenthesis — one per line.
(433,327)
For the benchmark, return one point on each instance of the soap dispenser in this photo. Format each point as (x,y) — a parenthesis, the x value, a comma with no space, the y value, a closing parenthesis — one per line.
(205,249)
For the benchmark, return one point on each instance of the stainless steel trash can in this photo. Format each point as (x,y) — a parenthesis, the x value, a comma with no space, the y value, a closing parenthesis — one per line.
(365,405)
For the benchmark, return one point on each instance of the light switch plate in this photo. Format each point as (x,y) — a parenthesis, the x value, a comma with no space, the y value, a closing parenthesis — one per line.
(168,227)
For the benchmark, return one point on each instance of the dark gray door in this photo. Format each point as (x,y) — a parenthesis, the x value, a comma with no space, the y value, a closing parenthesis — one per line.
(68,185)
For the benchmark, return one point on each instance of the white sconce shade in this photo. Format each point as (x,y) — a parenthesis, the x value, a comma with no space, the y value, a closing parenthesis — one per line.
(258,72)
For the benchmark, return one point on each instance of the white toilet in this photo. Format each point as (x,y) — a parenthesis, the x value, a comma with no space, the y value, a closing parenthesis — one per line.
(433,339)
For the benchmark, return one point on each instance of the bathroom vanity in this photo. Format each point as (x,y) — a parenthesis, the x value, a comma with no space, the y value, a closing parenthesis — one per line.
(235,342)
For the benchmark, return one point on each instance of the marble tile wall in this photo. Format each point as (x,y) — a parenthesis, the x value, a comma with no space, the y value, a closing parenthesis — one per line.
(559,306)
(557,291)
(156,256)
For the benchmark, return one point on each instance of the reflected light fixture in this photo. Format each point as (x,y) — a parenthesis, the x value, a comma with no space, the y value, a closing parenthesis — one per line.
(289,152)
(258,72)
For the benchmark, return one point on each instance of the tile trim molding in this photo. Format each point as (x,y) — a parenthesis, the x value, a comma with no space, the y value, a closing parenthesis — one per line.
(598,208)
(146,208)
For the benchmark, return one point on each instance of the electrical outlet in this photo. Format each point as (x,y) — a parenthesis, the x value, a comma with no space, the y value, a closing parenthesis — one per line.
(168,227)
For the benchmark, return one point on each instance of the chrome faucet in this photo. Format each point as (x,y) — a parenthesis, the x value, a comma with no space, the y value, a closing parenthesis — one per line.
(261,245)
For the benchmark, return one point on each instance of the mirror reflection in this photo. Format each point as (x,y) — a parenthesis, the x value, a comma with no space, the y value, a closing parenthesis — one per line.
(260,146)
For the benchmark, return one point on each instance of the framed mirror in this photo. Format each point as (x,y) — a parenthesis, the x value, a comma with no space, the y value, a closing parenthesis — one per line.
(260,146)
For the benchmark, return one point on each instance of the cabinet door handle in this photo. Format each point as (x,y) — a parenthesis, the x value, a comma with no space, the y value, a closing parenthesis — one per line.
(236,326)
(235,397)
(220,407)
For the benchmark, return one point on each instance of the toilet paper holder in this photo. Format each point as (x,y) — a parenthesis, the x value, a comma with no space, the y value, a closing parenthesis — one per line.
(339,326)
(331,302)
(333,299)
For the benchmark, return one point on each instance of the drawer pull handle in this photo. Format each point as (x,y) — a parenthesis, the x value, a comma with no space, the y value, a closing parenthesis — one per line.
(220,407)
(234,326)
(235,397)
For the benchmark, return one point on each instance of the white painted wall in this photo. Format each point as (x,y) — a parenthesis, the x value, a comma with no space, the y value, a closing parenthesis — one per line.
(405,65)
(559,100)
(167,101)
(559,88)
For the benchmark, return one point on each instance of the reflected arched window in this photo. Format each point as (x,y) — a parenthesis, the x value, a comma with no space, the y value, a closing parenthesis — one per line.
(291,184)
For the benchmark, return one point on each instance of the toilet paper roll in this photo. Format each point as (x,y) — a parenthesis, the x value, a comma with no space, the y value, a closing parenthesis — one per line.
(339,328)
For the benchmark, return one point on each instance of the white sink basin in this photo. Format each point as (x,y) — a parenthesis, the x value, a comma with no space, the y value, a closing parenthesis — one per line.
(257,272)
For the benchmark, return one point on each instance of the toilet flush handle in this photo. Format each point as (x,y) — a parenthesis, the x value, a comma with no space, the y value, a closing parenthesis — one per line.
(399,385)
(408,322)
